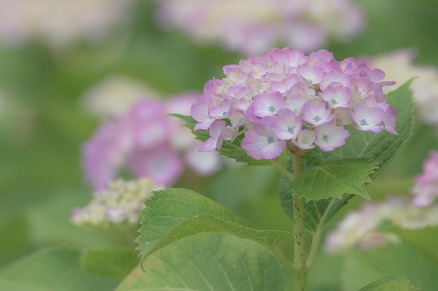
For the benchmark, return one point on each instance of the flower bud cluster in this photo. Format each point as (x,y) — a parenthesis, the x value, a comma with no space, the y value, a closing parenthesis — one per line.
(121,202)
(146,143)
(252,26)
(360,229)
(283,96)
(426,184)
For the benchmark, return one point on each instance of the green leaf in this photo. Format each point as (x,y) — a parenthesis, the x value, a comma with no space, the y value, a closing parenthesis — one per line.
(109,262)
(334,179)
(394,259)
(173,214)
(424,239)
(381,148)
(208,262)
(393,283)
(52,269)
(229,149)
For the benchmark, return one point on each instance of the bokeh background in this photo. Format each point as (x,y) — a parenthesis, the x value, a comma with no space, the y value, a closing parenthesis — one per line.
(44,122)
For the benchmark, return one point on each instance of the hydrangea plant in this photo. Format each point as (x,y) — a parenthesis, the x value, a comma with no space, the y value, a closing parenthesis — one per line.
(326,125)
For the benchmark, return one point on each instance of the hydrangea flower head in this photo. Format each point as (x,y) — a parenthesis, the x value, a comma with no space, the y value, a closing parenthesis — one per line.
(284,97)
(120,202)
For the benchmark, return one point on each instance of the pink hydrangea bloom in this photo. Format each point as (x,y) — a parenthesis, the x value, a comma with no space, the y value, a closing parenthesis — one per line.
(147,143)
(252,26)
(426,184)
(283,96)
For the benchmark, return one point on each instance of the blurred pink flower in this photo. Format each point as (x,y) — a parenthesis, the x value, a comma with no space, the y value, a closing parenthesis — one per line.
(426,184)
(252,26)
(146,143)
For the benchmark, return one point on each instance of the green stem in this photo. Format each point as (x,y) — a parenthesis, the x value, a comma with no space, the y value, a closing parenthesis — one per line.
(300,279)
(316,239)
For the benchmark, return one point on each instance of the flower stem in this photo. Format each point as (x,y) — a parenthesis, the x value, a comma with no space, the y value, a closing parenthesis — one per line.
(300,279)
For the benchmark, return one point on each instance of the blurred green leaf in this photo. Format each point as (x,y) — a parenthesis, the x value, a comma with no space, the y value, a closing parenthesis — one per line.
(334,179)
(52,269)
(221,263)
(393,259)
(425,239)
(393,283)
(116,263)
(229,149)
(174,214)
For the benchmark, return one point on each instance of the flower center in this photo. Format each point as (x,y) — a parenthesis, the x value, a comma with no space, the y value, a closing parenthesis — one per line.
(317,118)
(325,138)
(270,139)
(363,122)
(333,102)
(272,108)
(225,113)
(290,129)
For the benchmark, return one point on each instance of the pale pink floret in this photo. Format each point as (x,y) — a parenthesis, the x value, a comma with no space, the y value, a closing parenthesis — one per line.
(200,113)
(217,131)
(221,110)
(312,74)
(268,104)
(260,142)
(389,120)
(317,113)
(330,136)
(306,139)
(287,125)
(368,118)
(337,96)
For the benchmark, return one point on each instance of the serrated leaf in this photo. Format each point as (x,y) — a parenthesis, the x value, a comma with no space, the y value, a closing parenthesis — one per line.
(393,283)
(221,262)
(334,179)
(115,263)
(52,269)
(229,149)
(174,214)
(381,147)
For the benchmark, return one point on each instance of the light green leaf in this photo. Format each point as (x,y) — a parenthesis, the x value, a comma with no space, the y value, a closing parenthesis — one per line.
(393,283)
(229,149)
(394,259)
(115,263)
(381,147)
(52,270)
(424,239)
(173,214)
(208,262)
(334,179)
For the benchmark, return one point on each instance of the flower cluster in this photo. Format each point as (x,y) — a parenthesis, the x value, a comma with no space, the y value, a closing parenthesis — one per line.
(121,202)
(398,65)
(252,26)
(147,143)
(283,96)
(360,229)
(426,184)
(59,22)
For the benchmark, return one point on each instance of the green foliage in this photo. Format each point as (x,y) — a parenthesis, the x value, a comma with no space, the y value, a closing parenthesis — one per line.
(174,214)
(424,239)
(381,148)
(208,262)
(52,270)
(393,283)
(400,259)
(116,263)
(232,149)
(334,179)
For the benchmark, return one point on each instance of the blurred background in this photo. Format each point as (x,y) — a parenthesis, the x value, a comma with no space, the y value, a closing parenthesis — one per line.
(65,69)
